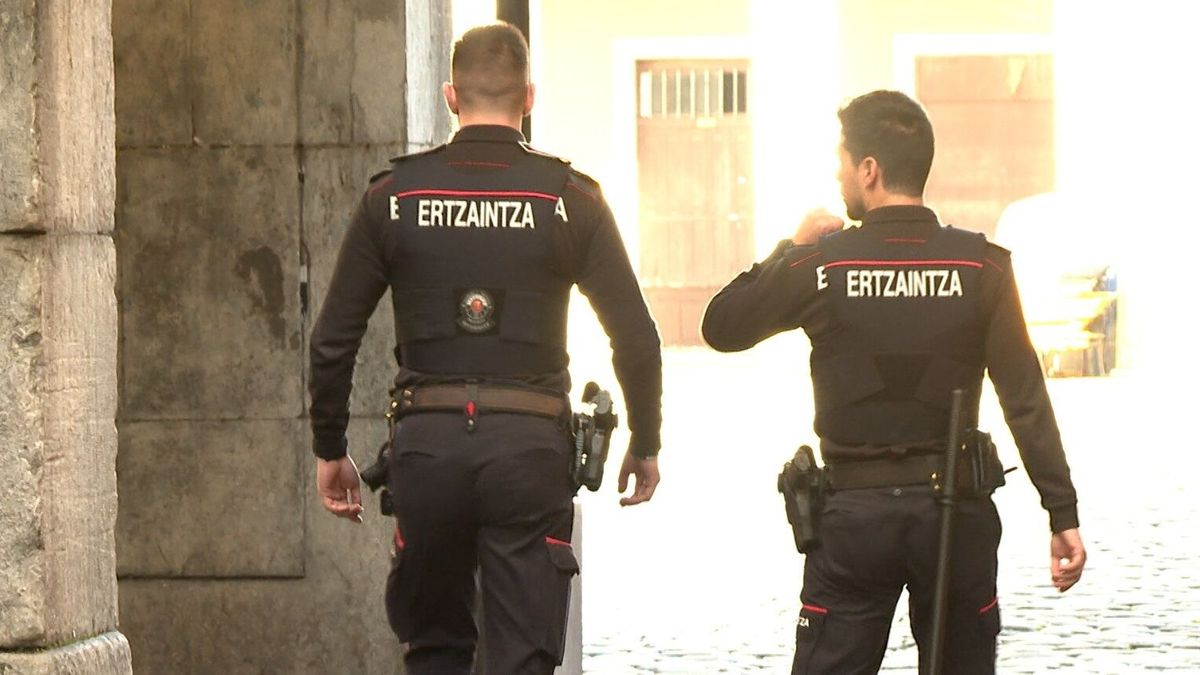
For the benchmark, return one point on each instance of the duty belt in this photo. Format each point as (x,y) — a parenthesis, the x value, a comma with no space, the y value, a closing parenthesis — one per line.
(473,399)
(877,473)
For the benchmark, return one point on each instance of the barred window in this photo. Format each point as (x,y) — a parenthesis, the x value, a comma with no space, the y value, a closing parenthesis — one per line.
(675,90)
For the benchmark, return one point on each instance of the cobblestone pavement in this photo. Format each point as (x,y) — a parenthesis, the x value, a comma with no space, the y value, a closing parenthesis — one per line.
(704,579)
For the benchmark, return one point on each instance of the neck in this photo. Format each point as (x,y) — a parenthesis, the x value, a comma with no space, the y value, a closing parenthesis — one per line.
(892,199)
(476,118)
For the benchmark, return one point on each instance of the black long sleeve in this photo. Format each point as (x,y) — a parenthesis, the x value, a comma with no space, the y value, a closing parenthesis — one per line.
(359,281)
(780,293)
(775,295)
(595,259)
(606,278)
(1016,374)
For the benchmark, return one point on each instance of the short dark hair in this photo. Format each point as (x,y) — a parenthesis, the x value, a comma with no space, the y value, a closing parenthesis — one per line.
(895,130)
(490,67)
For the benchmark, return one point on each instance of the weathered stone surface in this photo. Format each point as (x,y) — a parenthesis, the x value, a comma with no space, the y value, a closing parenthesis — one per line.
(332,620)
(150,57)
(379,60)
(211,499)
(79,398)
(353,71)
(57,442)
(75,122)
(427,34)
(326,112)
(19,184)
(22,595)
(244,71)
(209,287)
(335,181)
(56,117)
(107,653)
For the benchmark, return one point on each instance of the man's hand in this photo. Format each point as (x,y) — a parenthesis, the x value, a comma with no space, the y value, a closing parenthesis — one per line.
(816,223)
(337,483)
(646,473)
(1066,559)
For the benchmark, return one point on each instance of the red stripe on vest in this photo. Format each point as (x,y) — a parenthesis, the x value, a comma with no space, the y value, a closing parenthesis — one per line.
(477,193)
(902,263)
(810,257)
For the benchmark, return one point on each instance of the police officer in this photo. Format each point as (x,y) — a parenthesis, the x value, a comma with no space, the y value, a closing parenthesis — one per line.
(480,241)
(900,312)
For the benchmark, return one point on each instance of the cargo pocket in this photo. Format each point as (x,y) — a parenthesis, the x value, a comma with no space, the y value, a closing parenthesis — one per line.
(989,619)
(558,596)
(398,593)
(809,627)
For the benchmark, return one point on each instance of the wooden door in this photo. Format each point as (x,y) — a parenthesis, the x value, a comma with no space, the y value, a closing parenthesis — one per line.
(993,120)
(694,182)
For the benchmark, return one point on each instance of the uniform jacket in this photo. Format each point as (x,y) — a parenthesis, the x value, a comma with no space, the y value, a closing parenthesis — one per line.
(900,312)
(480,242)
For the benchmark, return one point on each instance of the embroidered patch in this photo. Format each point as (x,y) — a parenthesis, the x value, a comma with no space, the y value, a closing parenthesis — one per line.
(475,311)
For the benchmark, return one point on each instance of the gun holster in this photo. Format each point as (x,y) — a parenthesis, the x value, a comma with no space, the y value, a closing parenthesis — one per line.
(984,470)
(592,433)
(802,484)
(376,475)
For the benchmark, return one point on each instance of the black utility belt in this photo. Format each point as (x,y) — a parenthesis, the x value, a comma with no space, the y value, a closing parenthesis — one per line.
(478,398)
(979,471)
(878,473)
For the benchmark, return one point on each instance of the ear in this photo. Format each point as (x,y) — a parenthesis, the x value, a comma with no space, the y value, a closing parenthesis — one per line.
(451,97)
(529,95)
(869,173)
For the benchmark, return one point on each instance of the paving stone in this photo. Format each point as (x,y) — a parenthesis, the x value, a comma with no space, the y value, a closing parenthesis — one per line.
(1136,610)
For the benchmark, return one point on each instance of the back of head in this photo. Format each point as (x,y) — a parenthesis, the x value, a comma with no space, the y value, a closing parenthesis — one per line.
(895,130)
(490,68)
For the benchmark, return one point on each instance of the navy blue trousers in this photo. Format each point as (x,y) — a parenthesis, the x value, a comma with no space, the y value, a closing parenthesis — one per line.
(876,542)
(493,503)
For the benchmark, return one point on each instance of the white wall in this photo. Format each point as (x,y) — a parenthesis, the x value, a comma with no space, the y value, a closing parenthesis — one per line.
(1128,139)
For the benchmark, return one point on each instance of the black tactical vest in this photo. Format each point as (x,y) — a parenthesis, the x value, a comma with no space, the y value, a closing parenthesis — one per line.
(479,277)
(909,330)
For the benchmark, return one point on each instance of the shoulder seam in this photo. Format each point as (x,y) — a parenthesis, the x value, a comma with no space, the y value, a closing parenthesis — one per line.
(584,192)
(414,155)
(1000,252)
(538,153)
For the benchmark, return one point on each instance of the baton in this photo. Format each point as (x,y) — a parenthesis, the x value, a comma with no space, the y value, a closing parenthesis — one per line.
(947,497)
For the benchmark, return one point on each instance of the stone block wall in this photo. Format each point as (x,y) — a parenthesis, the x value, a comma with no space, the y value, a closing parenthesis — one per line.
(58,327)
(246,132)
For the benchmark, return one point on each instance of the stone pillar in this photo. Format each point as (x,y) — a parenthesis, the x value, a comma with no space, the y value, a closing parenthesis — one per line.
(427,66)
(247,131)
(58,324)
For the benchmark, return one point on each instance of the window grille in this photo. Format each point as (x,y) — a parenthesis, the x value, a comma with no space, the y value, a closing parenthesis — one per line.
(667,90)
